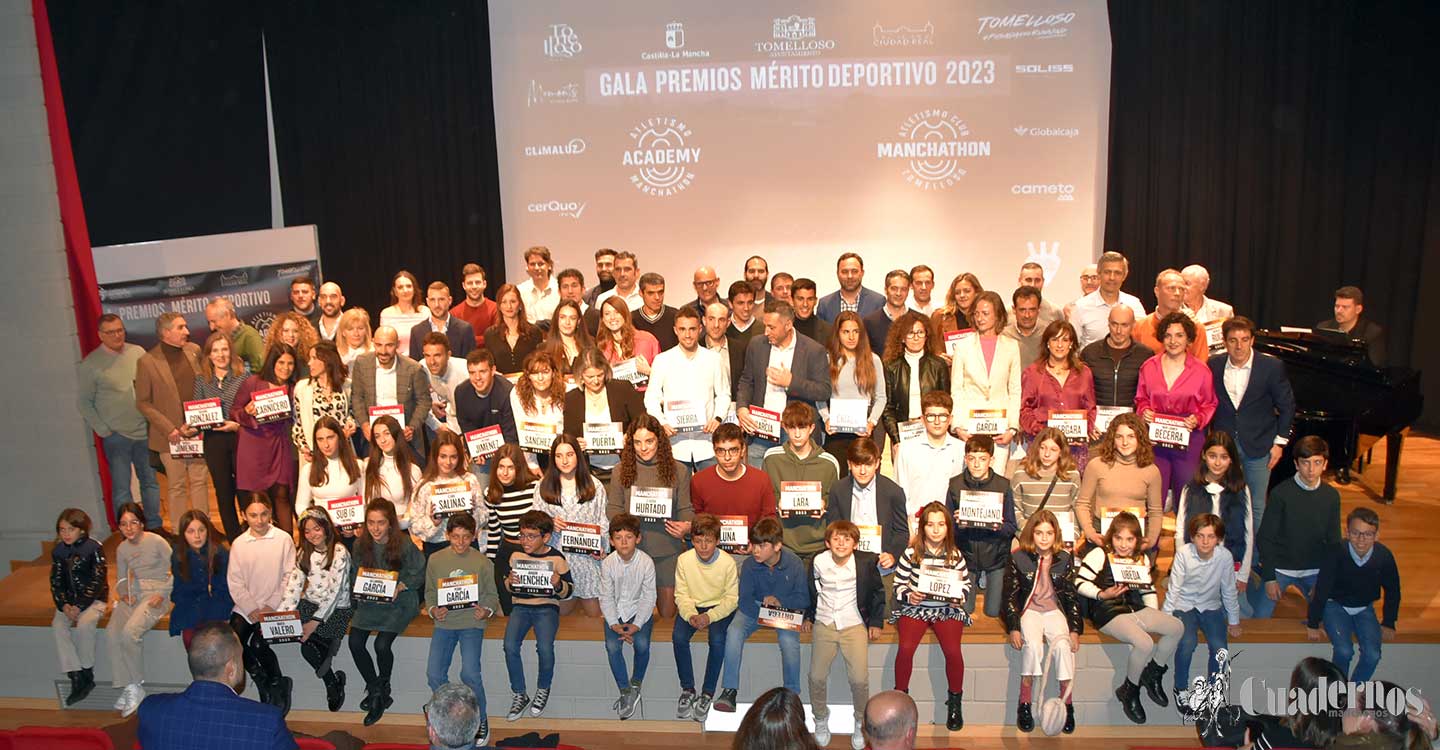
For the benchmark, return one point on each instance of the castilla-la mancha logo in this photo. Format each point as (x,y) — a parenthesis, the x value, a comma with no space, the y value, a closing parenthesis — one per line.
(663,154)
(933,143)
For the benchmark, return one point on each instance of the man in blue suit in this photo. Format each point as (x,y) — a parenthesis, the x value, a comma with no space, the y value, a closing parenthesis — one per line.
(780,367)
(852,295)
(210,714)
(1256,406)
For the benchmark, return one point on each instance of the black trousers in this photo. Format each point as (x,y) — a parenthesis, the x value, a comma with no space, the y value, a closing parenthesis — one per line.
(220,450)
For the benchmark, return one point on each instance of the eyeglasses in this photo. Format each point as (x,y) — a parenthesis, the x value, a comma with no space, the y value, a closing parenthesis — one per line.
(936,417)
(728,451)
(1362,534)
(530,535)
(711,282)
(916,334)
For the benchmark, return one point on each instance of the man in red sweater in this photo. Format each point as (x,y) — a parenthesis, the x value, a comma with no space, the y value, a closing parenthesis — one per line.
(730,487)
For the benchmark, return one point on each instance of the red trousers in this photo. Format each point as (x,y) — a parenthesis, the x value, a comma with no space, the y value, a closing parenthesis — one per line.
(948,633)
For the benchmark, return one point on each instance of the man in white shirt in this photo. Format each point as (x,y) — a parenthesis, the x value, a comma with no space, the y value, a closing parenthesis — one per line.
(383,378)
(627,273)
(1091,316)
(445,373)
(924,466)
(732,356)
(780,367)
(332,302)
(922,285)
(1033,274)
(689,393)
(540,293)
(1089,282)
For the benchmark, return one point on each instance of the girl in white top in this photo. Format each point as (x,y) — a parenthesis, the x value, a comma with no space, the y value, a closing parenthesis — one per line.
(316,588)
(407,308)
(447,469)
(986,375)
(142,596)
(389,472)
(539,397)
(354,338)
(333,472)
(260,563)
(569,494)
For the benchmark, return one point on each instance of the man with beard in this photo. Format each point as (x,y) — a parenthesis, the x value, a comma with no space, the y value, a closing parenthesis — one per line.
(852,295)
(331,303)
(604,275)
(803,295)
(475,309)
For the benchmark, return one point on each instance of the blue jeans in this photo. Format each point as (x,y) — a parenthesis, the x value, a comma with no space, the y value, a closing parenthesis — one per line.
(716,635)
(614,648)
(1261,605)
(1341,626)
(442,647)
(545,620)
(1212,623)
(125,455)
(740,629)
(1257,478)
(755,454)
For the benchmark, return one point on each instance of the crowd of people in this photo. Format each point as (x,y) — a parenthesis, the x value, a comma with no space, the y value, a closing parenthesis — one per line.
(716,465)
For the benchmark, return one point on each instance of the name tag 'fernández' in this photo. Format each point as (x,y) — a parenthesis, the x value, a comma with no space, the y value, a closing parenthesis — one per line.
(581,538)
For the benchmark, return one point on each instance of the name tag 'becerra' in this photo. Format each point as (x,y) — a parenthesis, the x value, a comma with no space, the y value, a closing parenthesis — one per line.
(374,585)
(459,592)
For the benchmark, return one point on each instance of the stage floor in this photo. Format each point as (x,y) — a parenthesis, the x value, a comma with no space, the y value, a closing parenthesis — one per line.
(26,597)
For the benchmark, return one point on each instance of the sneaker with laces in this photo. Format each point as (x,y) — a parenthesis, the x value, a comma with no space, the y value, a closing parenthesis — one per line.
(684,708)
(726,701)
(137,694)
(822,730)
(701,708)
(518,704)
(629,699)
(857,740)
(537,706)
(482,736)
(124,698)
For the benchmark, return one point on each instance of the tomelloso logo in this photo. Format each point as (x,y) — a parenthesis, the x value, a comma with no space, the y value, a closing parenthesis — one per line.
(675,46)
(794,37)
(932,142)
(662,155)
(563,42)
(571,148)
(903,36)
(568,93)
(1025,26)
(1023,131)
(567,209)
(1062,192)
(1044,70)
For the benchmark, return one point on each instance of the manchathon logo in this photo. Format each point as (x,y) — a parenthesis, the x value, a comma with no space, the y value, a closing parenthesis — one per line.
(562,43)
(932,143)
(663,154)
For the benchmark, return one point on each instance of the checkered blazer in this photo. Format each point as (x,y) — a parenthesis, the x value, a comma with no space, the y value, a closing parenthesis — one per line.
(210,716)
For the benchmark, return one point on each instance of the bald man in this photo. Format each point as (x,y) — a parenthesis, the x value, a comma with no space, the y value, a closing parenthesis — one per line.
(1115,362)
(385,377)
(707,289)
(331,302)
(1089,282)
(1169,298)
(890,721)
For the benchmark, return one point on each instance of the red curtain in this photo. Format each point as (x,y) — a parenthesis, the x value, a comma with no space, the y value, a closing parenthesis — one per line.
(83,287)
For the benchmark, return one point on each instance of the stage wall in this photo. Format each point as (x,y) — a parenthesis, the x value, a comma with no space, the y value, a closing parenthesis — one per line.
(966,136)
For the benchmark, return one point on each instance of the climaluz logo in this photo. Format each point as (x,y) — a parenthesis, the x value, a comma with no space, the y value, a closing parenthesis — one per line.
(571,148)
(932,143)
(566,209)
(663,155)
(1062,192)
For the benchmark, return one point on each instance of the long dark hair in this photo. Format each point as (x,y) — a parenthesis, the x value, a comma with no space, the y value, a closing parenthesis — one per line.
(1319,728)
(524,477)
(321,517)
(664,459)
(443,438)
(365,545)
(584,480)
(335,369)
(1234,479)
(273,355)
(320,465)
(776,721)
(374,483)
(555,344)
(864,364)
(214,543)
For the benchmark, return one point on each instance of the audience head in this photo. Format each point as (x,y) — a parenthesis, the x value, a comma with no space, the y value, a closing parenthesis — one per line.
(1316,728)
(776,721)
(215,656)
(1349,304)
(890,721)
(452,717)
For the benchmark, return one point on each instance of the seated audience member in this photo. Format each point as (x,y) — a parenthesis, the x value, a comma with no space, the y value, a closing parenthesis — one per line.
(1092,311)
(959,301)
(445,372)
(1122,476)
(540,292)
(1089,282)
(891,720)
(707,289)
(773,577)
(513,337)
(1169,298)
(781,287)
(406,385)
(655,317)
(1177,384)
(1349,307)
(1025,326)
(567,335)
(1254,406)
(732,356)
(986,548)
(1114,363)
(871,502)
(604,275)
(651,485)
(731,487)
(689,392)
(986,375)
(454,719)
(852,296)
(744,323)
(1292,729)
(924,465)
(627,605)
(922,286)
(1352,575)
(913,365)
(757,272)
(354,338)
(707,589)
(211,713)
(407,307)
(1042,608)
(776,721)
(1302,518)
(475,308)
(781,367)
(1032,274)
(81,592)
(804,297)
(801,460)
(847,611)
(1058,382)
(877,323)
(460,337)
(599,399)
(857,383)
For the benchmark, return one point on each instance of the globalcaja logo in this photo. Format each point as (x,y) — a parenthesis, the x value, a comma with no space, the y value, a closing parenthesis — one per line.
(663,155)
(562,43)
(564,209)
(794,36)
(566,93)
(1051,69)
(932,143)
(1025,26)
(903,36)
(573,147)
(1063,192)
(675,46)
(1028,132)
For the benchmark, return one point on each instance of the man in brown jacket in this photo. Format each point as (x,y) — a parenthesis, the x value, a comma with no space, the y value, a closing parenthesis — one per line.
(164,381)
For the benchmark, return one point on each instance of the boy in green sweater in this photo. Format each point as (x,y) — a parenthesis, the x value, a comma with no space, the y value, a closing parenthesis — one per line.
(1302,518)
(460,597)
(801,474)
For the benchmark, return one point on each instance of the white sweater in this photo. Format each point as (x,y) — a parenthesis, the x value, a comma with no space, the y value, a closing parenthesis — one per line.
(324,587)
(337,485)
(392,486)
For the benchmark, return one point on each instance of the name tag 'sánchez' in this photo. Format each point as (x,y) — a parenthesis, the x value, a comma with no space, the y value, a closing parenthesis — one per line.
(347,512)
(654,503)
(536,437)
(1132,573)
(451,499)
(767,423)
(985,510)
(685,416)
(204,413)
(271,405)
(1073,424)
(941,582)
(801,499)
(281,627)
(988,421)
(391,410)
(483,443)
(604,438)
(372,585)
(780,618)
(734,533)
(533,577)
(1169,432)
(581,538)
(459,592)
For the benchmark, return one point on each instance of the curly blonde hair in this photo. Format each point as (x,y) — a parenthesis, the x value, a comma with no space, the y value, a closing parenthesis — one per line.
(306,339)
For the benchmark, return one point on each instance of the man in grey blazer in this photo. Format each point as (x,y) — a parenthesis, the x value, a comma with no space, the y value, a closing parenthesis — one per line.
(384,377)
(780,367)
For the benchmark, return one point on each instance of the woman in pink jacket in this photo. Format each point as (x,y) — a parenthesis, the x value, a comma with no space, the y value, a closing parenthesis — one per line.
(1176,398)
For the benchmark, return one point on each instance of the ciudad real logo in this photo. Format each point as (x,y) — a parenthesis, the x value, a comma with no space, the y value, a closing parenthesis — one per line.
(663,153)
(562,42)
(566,209)
(572,147)
(1061,191)
(1026,131)
(932,143)
(903,36)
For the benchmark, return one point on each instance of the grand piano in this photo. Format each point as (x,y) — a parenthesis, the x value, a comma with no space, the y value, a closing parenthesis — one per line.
(1340,395)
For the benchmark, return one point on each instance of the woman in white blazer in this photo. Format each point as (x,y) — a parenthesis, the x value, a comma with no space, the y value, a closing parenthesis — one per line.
(976,385)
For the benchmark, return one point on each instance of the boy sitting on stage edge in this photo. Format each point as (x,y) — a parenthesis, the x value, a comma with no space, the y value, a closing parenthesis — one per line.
(707,588)
(773,577)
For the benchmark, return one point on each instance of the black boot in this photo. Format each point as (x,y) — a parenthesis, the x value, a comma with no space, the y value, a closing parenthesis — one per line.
(262,686)
(318,652)
(954,719)
(1023,720)
(1152,679)
(75,682)
(1129,695)
(1069,727)
(380,701)
(280,688)
(334,690)
(82,691)
(369,699)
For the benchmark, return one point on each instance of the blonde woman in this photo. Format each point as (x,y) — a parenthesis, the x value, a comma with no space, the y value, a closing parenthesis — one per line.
(354,338)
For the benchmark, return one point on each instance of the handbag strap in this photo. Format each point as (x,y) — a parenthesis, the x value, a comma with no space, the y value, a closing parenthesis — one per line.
(1048,490)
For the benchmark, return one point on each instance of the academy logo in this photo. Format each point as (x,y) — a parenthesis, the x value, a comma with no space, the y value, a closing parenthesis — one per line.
(663,155)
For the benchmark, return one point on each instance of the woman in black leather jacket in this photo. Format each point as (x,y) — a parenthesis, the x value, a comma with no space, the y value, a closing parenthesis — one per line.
(1034,615)
(912,350)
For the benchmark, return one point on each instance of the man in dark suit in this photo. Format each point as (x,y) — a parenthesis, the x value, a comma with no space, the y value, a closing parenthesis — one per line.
(780,367)
(382,378)
(1256,406)
(1349,306)
(211,714)
(865,498)
(460,333)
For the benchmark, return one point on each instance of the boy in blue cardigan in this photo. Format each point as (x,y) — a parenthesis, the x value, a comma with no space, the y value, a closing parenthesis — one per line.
(1352,575)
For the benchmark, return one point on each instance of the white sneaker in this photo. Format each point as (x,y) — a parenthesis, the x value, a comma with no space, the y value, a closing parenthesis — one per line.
(135,695)
(124,698)
(822,731)
(857,740)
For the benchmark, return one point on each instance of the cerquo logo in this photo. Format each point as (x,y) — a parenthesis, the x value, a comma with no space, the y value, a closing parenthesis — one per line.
(675,46)
(903,36)
(932,143)
(1025,26)
(794,36)
(565,209)
(565,93)
(1044,70)
(1025,131)
(573,147)
(662,154)
(562,43)
(1063,192)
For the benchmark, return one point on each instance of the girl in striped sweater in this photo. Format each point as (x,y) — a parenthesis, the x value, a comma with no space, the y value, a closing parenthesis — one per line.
(510,495)
(932,548)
